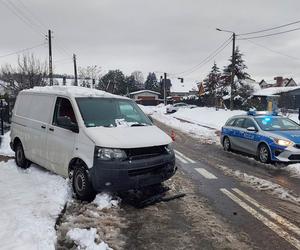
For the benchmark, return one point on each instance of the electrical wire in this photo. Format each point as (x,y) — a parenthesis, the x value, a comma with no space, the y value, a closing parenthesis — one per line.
(274,51)
(22,50)
(21,18)
(207,59)
(267,35)
(264,30)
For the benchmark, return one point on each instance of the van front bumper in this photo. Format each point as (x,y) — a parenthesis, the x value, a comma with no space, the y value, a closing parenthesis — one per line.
(127,175)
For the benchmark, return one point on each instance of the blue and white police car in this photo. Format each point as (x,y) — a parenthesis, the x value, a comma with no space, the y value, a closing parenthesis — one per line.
(269,136)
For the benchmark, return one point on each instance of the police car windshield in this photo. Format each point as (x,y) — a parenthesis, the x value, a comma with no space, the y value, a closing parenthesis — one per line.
(271,123)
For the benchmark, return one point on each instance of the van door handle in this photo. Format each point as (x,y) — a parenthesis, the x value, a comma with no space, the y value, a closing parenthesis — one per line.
(43,127)
(51,129)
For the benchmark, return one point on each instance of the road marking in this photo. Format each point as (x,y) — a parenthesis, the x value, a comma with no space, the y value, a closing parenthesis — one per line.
(206,174)
(274,227)
(185,157)
(272,214)
(181,159)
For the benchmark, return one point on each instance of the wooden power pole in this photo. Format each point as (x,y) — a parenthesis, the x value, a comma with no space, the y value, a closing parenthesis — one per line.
(50,58)
(75,70)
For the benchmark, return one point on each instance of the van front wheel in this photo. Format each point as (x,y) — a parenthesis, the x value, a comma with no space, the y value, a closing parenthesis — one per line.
(20,158)
(82,185)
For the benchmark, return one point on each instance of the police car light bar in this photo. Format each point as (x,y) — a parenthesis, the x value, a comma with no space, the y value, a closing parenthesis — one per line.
(256,113)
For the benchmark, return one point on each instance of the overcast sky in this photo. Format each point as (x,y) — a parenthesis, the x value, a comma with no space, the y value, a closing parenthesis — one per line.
(152,35)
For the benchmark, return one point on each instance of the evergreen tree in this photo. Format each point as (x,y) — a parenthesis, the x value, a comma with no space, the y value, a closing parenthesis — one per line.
(241,90)
(212,80)
(151,82)
(114,82)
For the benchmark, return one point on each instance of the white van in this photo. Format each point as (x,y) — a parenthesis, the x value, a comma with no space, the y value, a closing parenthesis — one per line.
(99,140)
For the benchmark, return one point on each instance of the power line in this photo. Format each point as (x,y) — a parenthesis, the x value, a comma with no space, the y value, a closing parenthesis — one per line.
(264,30)
(274,51)
(21,18)
(23,50)
(207,59)
(267,35)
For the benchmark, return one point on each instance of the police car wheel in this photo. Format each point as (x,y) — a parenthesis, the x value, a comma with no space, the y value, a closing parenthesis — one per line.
(226,144)
(264,153)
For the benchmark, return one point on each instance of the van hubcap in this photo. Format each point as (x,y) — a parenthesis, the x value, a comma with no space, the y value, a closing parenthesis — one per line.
(264,154)
(80,182)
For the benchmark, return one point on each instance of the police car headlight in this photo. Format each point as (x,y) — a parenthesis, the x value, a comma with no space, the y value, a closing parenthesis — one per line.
(282,142)
(108,154)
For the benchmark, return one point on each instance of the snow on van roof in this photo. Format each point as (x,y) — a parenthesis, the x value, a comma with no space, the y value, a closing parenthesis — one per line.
(74,91)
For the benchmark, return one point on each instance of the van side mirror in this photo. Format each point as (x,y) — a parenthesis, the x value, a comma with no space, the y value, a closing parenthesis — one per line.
(65,122)
(251,129)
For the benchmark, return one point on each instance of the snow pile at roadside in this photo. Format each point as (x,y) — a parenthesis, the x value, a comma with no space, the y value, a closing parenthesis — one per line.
(5,148)
(158,113)
(207,116)
(294,170)
(85,239)
(105,200)
(262,184)
(31,200)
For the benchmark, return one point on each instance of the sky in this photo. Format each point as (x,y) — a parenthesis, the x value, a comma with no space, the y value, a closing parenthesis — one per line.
(153,36)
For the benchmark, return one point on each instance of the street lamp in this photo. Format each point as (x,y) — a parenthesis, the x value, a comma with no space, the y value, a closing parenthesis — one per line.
(233,64)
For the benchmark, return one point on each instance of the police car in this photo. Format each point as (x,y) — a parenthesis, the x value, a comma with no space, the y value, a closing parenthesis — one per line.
(269,136)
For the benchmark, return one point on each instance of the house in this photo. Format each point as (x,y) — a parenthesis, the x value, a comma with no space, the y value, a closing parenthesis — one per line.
(279,82)
(283,97)
(182,89)
(146,97)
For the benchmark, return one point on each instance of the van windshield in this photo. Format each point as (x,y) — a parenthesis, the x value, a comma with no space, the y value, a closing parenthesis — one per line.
(111,112)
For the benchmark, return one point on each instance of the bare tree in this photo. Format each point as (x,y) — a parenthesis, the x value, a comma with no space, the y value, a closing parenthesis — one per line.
(139,79)
(28,73)
(88,74)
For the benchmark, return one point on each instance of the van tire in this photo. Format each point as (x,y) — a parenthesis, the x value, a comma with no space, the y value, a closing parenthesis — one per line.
(20,158)
(82,185)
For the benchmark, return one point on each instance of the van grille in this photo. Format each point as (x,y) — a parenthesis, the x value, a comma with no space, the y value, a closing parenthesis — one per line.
(143,153)
(294,157)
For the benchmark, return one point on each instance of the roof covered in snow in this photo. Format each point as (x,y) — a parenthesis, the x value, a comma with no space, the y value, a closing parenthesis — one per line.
(274,91)
(183,87)
(73,91)
(143,91)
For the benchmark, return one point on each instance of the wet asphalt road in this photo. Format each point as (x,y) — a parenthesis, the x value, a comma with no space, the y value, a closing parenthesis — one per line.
(226,194)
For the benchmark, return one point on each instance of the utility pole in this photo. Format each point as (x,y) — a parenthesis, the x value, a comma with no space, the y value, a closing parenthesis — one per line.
(165,83)
(75,70)
(233,65)
(50,58)
(232,71)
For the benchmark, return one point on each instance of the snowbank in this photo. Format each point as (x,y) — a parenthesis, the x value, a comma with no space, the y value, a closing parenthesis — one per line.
(85,239)
(207,116)
(105,200)
(5,148)
(31,199)
(158,113)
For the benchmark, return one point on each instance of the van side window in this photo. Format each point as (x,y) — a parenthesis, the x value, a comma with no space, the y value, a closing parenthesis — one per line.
(63,108)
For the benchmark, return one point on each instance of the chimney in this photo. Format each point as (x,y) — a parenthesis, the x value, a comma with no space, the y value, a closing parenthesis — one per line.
(279,81)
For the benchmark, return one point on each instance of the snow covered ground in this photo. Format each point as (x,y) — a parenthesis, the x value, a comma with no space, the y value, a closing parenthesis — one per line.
(31,201)
(159,113)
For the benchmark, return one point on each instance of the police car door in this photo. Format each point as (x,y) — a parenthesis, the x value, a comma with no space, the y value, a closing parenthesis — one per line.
(250,141)
(237,134)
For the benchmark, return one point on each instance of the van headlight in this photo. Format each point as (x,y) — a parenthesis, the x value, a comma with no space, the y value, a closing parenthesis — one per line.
(169,148)
(282,142)
(108,154)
